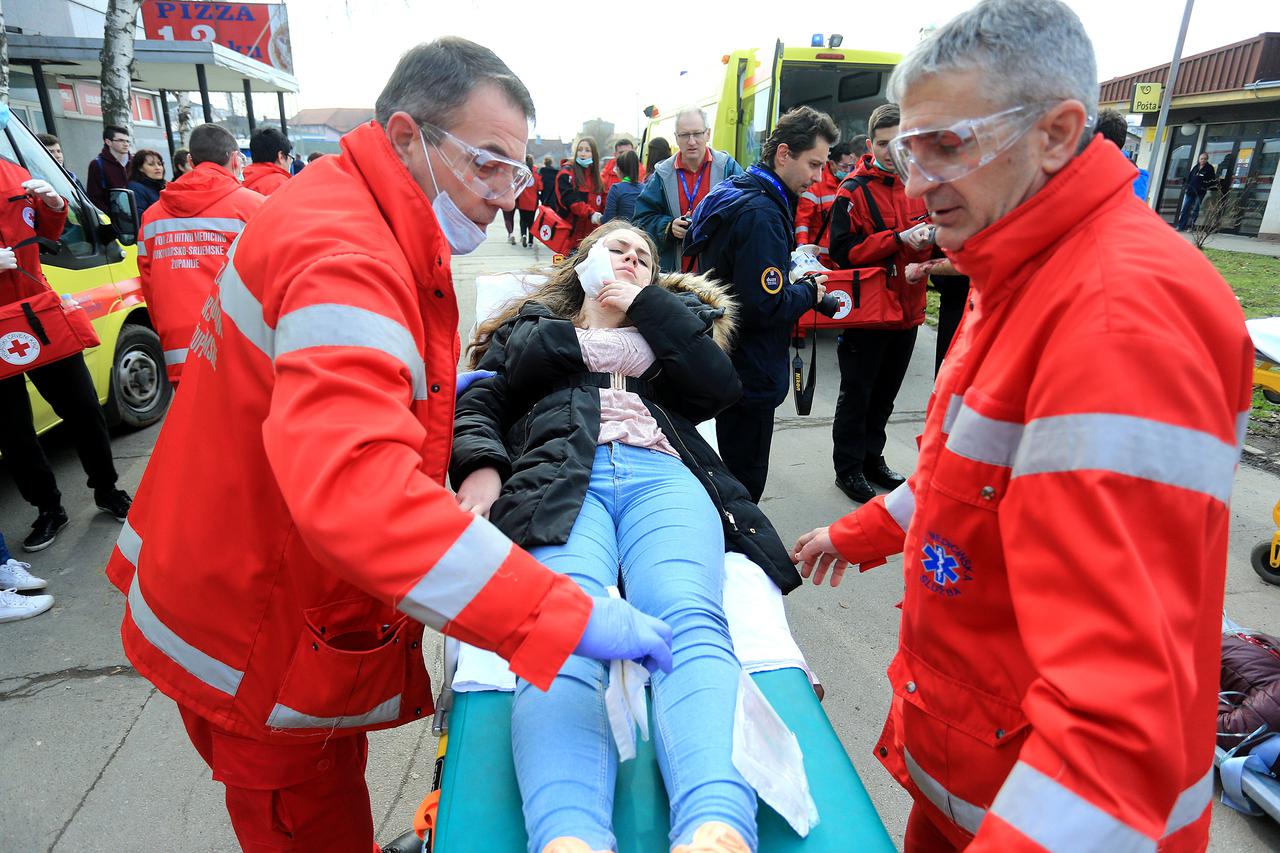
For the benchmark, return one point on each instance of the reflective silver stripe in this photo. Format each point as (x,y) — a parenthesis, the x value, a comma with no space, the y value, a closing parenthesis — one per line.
(1129,445)
(804,228)
(129,543)
(335,325)
(953,410)
(1059,819)
(901,503)
(983,439)
(965,814)
(1242,427)
(142,248)
(211,671)
(175,356)
(458,576)
(826,199)
(284,717)
(242,307)
(808,195)
(1191,803)
(193,223)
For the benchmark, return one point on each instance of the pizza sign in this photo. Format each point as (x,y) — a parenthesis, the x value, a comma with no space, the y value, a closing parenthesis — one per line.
(258,30)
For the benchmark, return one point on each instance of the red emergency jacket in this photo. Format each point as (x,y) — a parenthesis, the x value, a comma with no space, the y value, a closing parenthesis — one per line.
(578,201)
(1065,532)
(857,240)
(528,199)
(184,243)
(264,178)
(292,533)
(813,212)
(21,219)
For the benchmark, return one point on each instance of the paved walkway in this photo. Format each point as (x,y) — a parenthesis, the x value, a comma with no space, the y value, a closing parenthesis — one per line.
(1236,243)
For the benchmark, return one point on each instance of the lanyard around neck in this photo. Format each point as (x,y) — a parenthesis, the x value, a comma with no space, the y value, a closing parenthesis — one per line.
(689,198)
(777,184)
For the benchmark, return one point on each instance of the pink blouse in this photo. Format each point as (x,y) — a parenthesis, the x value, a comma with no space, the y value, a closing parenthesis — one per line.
(623,416)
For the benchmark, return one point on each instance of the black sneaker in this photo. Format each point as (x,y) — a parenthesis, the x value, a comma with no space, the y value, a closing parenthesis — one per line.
(113,502)
(882,475)
(856,488)
(45,530)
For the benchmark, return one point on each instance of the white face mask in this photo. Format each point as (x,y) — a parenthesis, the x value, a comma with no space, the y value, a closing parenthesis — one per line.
(464,236)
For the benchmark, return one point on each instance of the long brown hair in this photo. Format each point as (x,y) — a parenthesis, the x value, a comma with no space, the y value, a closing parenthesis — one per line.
(579,173)
(562,293)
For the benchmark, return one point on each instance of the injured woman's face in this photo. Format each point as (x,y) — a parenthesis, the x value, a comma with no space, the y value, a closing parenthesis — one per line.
(629,253)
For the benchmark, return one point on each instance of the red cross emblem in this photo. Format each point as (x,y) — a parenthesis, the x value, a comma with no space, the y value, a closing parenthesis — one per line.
(19,348)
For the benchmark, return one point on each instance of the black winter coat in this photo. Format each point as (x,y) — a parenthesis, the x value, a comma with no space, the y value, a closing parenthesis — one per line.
(537,421)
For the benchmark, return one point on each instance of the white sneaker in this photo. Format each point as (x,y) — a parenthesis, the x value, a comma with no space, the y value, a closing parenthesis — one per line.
(14,607)
(16,575)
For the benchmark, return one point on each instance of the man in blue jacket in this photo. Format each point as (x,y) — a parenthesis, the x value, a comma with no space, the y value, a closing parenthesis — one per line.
(680,183)
(743,234)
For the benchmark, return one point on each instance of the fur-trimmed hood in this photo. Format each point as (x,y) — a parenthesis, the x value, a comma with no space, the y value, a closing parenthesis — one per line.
(720,309)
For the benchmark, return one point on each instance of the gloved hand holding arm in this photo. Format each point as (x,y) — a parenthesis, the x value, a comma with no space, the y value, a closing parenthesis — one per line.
(8,260)
(43,190)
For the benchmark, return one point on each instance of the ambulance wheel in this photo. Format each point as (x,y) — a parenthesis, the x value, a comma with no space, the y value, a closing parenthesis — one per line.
(1271,396)
(1260,559)
(140,390)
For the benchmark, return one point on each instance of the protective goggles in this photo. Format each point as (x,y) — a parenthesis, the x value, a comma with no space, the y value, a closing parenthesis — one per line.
(486,174)
(941,154)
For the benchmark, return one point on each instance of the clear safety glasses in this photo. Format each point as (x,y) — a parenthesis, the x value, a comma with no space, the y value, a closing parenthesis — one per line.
(486,174)
(942,154)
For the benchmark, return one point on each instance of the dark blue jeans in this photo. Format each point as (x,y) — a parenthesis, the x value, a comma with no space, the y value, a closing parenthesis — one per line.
(1190,209)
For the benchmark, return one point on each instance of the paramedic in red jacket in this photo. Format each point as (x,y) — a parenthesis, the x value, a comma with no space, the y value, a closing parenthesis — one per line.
(272,155)
(609,174)
(875,224)
(32,209)
(579,191)
(292,533)
(185,236)
(1065,530)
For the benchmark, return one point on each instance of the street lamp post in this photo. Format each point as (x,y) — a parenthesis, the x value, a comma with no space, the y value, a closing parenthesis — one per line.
(1158,149)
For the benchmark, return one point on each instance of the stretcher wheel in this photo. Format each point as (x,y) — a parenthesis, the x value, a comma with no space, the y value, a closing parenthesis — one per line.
(1260,559)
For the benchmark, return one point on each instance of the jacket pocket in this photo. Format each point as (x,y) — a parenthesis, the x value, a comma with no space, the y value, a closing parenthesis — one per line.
(348,668)
(959,741)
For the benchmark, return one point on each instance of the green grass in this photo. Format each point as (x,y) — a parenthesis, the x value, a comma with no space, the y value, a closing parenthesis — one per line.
(1256,282)
(1254,278)
(932,298)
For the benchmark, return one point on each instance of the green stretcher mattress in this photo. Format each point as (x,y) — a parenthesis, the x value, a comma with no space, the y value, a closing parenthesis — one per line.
(479,808)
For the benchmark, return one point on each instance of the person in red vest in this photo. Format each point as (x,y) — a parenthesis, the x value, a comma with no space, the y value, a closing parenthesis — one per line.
(609,173)
(579,191)
(527,203)
(185,236)
(272,155)
(317,428)
(813,212)
(875,224)
(36,211)
(1064,534)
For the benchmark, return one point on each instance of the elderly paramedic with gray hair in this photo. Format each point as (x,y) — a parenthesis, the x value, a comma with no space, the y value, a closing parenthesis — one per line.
(1064,535)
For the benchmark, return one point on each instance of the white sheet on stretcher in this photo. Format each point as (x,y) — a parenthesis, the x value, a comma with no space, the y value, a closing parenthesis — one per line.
(753,606)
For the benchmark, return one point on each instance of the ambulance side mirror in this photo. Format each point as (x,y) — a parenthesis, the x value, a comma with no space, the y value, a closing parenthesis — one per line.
(123,210)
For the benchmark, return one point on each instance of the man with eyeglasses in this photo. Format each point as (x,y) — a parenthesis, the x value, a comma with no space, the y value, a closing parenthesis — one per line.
(292,534)
(665,206)
(110,169)
(272,165)
(1065,530)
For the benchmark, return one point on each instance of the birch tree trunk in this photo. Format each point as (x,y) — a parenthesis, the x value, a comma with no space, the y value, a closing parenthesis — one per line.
(117,61)
(4,60)
(184,119)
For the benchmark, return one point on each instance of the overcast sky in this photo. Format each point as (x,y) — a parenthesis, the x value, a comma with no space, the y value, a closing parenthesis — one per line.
(609,63)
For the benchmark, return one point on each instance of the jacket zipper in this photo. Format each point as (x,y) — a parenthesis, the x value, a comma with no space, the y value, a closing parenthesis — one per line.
(710,477)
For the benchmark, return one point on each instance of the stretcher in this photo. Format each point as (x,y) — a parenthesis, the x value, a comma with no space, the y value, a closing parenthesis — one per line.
(475,804)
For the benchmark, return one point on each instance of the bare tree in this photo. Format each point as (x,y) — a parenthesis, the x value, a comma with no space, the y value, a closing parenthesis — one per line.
(117,61)
(4,60)
(1220,211)
(184,119)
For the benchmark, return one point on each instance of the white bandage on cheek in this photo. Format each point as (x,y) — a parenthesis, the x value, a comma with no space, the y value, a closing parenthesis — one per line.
(595,270)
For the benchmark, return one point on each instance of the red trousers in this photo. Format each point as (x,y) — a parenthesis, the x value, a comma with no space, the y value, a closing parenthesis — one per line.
(307,796)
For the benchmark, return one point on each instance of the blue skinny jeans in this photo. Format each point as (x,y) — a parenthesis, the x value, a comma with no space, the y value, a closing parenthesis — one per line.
(646,513)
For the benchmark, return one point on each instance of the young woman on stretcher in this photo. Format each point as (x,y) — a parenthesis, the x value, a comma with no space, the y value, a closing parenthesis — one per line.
(582,448)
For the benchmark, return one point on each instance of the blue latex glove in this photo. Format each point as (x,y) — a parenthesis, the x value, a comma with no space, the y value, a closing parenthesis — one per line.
(617,631)
(464,380)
